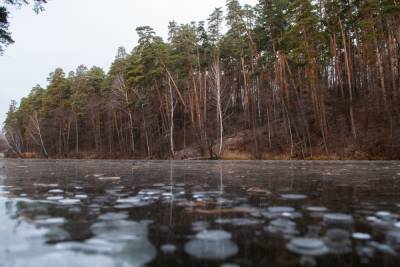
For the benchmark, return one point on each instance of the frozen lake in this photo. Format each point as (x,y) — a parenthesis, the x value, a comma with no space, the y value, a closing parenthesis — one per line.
(202,213)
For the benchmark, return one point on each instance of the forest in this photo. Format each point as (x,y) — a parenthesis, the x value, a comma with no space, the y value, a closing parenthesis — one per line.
(284,79)
(3,144)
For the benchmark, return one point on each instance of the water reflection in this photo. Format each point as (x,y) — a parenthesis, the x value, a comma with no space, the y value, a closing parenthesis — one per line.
(111,213)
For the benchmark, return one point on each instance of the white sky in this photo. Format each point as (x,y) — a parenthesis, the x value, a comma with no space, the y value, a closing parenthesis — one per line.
(74,32)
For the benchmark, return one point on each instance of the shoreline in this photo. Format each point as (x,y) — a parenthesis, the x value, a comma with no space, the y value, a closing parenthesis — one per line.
(237,159)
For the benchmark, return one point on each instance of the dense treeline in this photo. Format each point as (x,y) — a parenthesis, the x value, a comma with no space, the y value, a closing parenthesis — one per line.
(296,77)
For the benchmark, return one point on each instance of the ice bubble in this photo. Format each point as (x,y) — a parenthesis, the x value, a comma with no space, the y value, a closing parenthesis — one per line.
(113,216)
(124,206)
(213,235)
(258,191)
(109,178)
(135,201)
(317,212)
(293,196)
(384,248)
(55,198)
(69,201)
(338,218)
(168,248)
(276,212)
(81,196)
(136,253)
(361,236)
(223,221)
(317,209)
(282,226)
(382,221)
(45,185)
(150,192)
(56,191)
(245,222)
(385,216)
(198,196)
(282,222)
(308,246)
(307,243)
(280,209)
(50,221)
(239,221)
(211,250)
(118,231)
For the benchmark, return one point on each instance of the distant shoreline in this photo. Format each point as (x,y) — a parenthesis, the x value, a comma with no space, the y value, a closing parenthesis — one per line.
(228,157)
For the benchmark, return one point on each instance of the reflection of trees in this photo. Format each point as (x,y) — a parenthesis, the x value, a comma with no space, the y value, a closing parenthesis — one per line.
(171,181)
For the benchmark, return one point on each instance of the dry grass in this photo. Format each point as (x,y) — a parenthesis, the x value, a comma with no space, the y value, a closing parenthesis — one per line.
(237,155)
(245,155)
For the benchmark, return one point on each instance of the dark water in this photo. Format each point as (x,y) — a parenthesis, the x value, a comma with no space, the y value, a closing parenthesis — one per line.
(125,213)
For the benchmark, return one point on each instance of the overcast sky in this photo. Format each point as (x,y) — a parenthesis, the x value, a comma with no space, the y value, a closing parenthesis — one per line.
(74,32)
